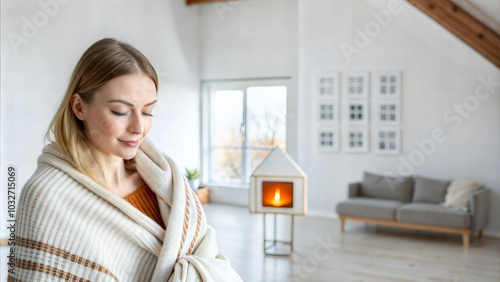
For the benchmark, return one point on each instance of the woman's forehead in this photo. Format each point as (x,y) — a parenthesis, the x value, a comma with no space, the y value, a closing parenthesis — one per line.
(133,87)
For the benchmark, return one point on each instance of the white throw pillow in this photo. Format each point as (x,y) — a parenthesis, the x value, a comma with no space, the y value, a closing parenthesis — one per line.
(459,193)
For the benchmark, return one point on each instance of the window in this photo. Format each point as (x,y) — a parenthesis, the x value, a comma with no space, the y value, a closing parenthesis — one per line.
(246,121)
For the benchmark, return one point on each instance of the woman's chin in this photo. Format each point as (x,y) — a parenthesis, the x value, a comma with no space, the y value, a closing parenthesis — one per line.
(129,155)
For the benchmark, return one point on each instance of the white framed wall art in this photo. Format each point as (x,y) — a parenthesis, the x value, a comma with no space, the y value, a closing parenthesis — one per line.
(388,112)
(356,85)
(388,141)
(357,112)
(328,139)
(388,84)
(326,85)
(356,140)
(328,111)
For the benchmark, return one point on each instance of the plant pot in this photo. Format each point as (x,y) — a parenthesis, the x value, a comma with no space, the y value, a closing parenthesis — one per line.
(194,183)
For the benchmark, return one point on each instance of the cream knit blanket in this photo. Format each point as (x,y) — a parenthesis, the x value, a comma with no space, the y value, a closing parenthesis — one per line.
(71,228)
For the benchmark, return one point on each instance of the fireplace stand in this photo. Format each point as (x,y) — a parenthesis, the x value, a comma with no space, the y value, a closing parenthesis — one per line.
(276,243)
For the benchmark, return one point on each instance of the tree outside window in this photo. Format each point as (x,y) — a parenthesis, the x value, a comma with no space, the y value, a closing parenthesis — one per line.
(246,124)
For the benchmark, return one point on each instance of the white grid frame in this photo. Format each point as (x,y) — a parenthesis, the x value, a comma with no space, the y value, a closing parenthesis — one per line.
(356,85)
(357,112)
(356,140)
(388,112)
(327,85)
(328,140)
(327,112)
(388,84)
(388,141)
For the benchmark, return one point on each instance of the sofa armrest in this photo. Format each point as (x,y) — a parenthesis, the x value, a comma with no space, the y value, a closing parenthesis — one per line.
(354,189)
(479,209)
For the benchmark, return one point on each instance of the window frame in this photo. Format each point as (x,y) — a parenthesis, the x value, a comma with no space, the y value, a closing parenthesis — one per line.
(209,88)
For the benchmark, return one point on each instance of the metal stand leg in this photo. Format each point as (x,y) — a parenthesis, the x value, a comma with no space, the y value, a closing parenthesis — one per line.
(291,238)
(275,243)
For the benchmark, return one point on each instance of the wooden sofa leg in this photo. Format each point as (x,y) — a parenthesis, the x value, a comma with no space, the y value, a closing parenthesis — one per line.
(480,234)
(342,222)
(465,239)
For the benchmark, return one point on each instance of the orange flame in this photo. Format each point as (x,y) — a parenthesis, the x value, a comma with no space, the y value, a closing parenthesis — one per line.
(277,198)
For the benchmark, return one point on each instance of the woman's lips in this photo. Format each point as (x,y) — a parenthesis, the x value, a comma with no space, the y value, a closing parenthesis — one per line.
(130,143)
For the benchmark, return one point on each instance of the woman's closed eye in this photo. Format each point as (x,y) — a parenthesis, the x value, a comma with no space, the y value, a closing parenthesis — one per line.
(124,114)
(118,113)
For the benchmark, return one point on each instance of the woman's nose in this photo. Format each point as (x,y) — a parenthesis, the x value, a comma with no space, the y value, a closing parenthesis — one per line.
(136,125)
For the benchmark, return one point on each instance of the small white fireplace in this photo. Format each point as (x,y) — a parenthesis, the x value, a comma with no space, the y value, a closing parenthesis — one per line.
(278,185)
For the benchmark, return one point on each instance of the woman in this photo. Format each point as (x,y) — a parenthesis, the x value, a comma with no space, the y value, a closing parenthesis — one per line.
(104,203)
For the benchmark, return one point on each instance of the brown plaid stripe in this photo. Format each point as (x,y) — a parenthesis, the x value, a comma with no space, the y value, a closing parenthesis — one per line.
(12,279)
(49,269)
(31,244)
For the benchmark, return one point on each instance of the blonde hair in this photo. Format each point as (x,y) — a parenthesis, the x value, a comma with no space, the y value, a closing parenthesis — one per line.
(106,59)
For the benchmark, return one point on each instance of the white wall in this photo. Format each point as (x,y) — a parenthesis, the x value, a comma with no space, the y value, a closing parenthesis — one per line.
(241,39)
(490,7)
(34,79)
(439,71)
(251,39)
(258,38)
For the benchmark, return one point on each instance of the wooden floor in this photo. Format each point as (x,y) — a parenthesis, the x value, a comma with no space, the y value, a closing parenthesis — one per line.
(362,253)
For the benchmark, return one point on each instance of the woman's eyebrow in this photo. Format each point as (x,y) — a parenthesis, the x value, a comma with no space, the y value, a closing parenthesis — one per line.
(150,103)
(129,104)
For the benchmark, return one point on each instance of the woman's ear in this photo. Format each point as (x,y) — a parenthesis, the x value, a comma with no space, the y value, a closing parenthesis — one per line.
(78,107)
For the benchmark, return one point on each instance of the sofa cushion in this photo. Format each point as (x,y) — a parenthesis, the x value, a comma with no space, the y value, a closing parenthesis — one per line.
(369,208)
(432,214)
(459,194)
(385,187)
(429,190)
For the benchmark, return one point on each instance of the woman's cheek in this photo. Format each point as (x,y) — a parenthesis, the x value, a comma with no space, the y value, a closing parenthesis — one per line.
(147,127)
(108,126)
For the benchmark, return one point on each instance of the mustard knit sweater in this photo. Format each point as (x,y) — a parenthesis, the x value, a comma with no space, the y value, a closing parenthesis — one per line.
(144,200)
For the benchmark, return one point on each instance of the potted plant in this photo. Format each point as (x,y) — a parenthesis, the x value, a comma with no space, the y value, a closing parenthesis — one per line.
(193,177)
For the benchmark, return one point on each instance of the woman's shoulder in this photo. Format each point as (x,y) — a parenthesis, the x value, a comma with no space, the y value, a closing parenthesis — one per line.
(45,179)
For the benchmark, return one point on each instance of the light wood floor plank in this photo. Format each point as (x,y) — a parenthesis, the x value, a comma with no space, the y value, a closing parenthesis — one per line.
(362,253)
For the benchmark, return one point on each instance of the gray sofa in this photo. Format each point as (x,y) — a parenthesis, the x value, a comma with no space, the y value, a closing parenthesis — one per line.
(412,202)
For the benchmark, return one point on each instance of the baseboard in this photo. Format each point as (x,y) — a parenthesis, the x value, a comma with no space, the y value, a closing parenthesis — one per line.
(491,234)
(318,214)
(229,196)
